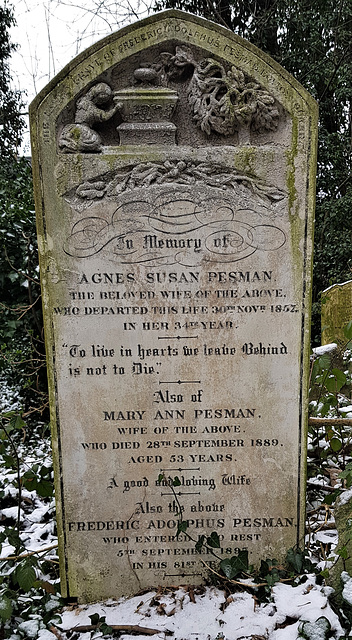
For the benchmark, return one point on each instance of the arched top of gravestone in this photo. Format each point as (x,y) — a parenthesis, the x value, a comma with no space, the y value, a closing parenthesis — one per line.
(188,80)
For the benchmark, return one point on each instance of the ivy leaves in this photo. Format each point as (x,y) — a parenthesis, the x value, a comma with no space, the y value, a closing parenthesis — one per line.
(235,566)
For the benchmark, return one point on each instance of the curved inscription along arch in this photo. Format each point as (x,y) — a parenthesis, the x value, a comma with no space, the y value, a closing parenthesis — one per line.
(174,170)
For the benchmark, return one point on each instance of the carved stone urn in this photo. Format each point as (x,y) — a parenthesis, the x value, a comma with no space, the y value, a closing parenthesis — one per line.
(146,114)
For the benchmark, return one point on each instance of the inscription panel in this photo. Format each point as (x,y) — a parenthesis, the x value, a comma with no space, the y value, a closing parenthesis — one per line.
(176,286)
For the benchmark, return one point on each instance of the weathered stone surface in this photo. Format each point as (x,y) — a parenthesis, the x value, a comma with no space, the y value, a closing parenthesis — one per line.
(336,312)
(175,233)
(343,520)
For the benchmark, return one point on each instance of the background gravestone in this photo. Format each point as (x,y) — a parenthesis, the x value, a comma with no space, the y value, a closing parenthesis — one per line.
(174,167)
(336,312)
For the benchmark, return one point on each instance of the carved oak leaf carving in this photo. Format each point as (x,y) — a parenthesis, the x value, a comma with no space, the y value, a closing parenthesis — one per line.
(266,117)
(225,102)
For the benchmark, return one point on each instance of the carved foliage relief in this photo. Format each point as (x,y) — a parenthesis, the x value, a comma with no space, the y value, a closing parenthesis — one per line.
(175,212)
(223,100)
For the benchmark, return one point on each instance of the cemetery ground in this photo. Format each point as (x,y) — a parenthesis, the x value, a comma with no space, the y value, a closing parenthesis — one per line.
(286,603)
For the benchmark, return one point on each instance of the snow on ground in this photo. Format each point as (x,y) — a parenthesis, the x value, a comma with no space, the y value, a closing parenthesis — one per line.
(37,514)
(10,399)
(213,614)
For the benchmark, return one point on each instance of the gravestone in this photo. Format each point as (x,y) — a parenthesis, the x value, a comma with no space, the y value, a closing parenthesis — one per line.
(336,312)
(174,169)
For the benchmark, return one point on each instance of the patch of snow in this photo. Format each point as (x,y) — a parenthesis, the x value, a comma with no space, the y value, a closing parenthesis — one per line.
(288,633)
(52,603)
(44,634)
(317,630)
(344,497)
(6,549)
(37,514)
(306,602)
(11,512)
(346,409)
(10,399)
(326,537)
(338,284)
(347,590)
(30,628)
(325,348)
